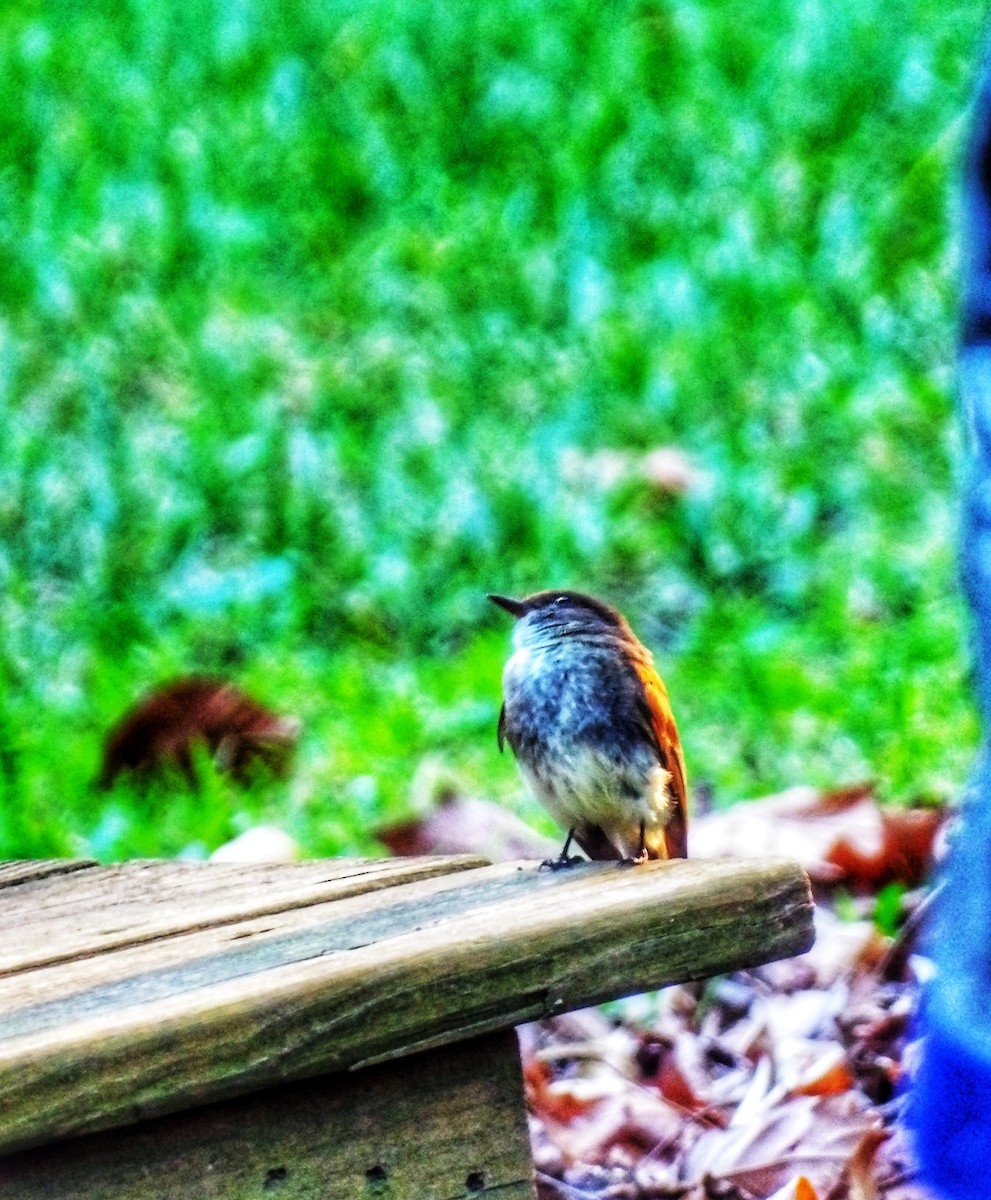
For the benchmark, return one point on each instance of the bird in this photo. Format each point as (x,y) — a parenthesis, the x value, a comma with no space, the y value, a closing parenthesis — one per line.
(589,721)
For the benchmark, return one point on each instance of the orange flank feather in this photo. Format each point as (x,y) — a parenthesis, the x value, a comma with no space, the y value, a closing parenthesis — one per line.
(665,734)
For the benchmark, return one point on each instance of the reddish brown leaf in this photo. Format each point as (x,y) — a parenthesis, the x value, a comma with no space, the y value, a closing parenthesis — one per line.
(907,836)
(674,1086)
(446,821)
(161,729)
(840,836)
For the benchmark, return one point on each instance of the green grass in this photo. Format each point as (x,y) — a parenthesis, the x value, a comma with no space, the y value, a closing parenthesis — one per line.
(306,310)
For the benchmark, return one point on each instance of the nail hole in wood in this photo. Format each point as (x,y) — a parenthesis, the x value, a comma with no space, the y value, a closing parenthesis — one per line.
(276,1178)
(377,1178)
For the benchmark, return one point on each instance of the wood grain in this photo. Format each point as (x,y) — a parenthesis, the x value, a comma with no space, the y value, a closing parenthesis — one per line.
(20,871)
(368,978)
(142,901)
(199,952)
(442,1125)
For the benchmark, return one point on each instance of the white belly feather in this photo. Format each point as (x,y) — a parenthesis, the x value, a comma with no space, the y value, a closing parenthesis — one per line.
(583,791)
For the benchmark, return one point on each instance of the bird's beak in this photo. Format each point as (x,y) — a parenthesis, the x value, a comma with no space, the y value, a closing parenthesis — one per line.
(515,608)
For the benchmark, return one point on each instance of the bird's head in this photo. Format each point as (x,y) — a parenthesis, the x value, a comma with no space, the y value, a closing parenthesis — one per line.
(562,614)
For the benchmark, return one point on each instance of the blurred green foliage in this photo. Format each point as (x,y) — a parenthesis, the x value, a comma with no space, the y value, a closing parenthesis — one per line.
(316,319)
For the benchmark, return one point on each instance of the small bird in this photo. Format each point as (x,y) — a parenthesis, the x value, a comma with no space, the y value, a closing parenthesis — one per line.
(590,723)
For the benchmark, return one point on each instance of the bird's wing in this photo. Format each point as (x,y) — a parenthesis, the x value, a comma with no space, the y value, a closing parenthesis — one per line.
(661,728)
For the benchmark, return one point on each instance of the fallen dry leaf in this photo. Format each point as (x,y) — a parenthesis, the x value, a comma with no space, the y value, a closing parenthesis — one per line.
(798,1188)
(445,821)
(829,1075)
(162,727)
(817,1137)
(841,836)
(902,856)
(464,825)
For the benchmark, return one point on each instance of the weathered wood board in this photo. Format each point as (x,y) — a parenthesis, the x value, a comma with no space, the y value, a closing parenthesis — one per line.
(437,1126)
(105,908)
(134,991)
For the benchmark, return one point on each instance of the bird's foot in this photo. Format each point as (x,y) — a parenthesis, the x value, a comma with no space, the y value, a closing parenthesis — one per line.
(636,861)
(642,854)
(561,863)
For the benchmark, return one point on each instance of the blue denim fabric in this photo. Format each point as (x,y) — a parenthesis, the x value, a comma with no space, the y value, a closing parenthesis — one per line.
(950,1104)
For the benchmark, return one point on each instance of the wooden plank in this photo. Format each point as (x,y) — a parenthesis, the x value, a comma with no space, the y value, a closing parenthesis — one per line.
(135,902)
(55,995)
(509,944)
(220,951)
(449,1123)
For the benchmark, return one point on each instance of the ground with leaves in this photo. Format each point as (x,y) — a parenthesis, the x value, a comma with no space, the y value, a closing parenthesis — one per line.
(787,1081)
(782,1081)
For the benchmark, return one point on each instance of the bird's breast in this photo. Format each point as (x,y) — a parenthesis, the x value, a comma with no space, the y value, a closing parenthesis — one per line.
(568,699)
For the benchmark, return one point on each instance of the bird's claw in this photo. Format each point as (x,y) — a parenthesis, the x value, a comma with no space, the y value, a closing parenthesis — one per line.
(561,863)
